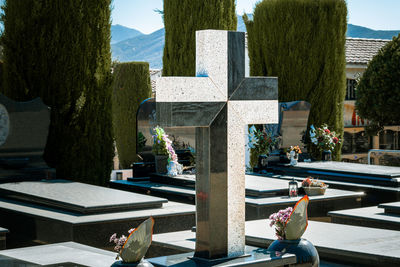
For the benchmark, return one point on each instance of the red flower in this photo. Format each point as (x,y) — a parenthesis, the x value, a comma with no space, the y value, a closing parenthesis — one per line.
(335,140)
(327,131)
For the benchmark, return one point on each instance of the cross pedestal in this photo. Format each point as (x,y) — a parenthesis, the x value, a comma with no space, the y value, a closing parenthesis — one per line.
(220,102)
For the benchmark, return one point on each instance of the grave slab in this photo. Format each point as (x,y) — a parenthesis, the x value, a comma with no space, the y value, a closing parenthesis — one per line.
(354,245)
(391,208)
(264,195)
(375,217)
(92,199)
(344,171)
(31,221)
(61,254)
(3,233)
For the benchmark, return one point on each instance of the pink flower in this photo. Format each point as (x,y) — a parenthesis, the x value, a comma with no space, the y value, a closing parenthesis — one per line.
(335,140)
(113,237)
(327,131)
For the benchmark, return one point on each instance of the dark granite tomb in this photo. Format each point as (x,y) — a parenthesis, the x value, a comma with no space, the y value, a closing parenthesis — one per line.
(346,172)
(384,216)
(56,211)
(78,197)
(23,134)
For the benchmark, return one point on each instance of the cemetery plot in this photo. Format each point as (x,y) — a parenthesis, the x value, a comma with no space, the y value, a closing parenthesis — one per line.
(56,211)
(384,216)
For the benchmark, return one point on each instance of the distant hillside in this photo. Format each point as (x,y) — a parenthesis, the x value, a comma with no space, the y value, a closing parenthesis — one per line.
(144,47)
(120,33)
(150,47)
(363,32)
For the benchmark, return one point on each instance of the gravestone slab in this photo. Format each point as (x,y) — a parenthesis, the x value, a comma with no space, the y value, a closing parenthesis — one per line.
(375,217)
(78,197)
(391,208)
(344,171)
(23,135)
(61,254)
(354,245)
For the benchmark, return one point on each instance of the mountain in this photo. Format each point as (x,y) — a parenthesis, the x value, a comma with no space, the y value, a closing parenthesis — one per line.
(363,32)
(145,47)
(119,33)
(150,47)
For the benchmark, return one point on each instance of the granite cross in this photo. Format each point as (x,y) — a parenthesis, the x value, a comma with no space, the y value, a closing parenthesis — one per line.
(220,102)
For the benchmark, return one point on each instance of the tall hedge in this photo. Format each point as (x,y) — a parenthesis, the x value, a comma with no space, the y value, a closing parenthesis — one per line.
(131,86)
(182,19)
(303,43)
(60,51)
(378,91)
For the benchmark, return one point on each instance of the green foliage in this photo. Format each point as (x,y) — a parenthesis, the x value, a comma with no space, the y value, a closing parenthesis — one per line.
(182,19)
(378,91)
(303,43)
(60,51)
(131,86)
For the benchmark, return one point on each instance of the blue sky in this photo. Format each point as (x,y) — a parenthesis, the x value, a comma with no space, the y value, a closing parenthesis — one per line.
(374,14)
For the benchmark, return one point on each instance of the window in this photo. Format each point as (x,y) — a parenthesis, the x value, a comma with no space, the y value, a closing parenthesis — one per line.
(351,89)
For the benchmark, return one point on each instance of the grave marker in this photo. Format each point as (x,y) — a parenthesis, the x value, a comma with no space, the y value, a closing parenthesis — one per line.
(220,102)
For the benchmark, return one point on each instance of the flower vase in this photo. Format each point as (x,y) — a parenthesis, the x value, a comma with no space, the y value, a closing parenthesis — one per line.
(161,162)
(304,250)
(326,155)
(294,157)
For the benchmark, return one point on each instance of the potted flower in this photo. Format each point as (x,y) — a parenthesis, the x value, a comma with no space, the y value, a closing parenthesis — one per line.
(132,249)
(290,224)
(293,154)
(260,143)
(313,187)
(163,151)
(325,140)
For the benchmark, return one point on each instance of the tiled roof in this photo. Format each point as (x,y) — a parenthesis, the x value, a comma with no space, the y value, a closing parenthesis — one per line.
(362,50)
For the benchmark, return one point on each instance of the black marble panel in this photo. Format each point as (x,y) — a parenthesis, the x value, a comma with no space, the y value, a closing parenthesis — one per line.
(192,114)
(211,189)
(256,88)
(236,60)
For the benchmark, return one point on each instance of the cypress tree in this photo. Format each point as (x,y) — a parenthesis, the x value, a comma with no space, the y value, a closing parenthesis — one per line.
(303,43)
(60,51)
(130,87)
(182,19)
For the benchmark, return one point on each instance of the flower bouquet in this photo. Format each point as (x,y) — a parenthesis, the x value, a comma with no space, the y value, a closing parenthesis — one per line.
(313,187)
(324,139)
(293,154)
(290,223)
(165,156)
(260,143)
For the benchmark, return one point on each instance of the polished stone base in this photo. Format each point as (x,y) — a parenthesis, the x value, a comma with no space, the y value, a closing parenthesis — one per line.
(256,257)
